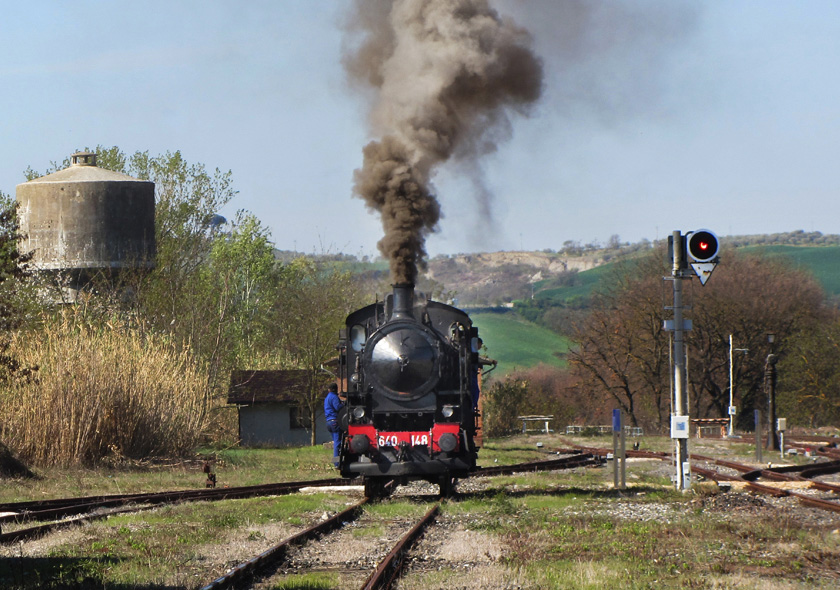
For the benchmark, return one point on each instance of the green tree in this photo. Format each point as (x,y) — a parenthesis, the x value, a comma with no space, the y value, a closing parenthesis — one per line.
(17,297)
(16,305)
(247,279)
(313,306)
(623,351)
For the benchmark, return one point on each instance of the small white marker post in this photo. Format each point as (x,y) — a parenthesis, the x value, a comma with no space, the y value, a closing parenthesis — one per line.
(781,426)
(619,450)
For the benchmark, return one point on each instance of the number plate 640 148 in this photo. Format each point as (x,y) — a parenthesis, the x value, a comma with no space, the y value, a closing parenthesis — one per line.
(395,439)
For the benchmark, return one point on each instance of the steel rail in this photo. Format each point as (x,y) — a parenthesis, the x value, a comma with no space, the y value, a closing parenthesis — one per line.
(777,475)
(389,570)
(37,531)
(270,557)
(824,451)
(785,473)
(774,473)
(61,507)
(579,460)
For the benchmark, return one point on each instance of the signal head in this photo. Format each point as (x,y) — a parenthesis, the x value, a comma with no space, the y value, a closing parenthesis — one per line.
(702,245)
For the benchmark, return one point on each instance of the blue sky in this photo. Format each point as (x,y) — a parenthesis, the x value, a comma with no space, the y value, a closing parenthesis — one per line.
(656,115)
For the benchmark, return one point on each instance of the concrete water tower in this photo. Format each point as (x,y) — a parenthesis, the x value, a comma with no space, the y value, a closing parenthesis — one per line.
(85,221)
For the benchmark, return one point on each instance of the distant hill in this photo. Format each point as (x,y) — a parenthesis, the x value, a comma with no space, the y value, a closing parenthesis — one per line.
(822,261)
(545,280)
(517,343)
(568,276)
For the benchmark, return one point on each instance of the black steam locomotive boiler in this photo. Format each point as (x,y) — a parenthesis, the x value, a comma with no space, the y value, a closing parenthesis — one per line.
(410,372)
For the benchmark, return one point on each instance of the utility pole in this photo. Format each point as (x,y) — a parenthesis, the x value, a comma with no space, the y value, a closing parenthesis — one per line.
(770,392)
(732,408)
(731,394)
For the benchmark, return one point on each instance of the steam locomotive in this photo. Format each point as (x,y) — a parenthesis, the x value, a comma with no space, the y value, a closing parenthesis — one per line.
(409,367)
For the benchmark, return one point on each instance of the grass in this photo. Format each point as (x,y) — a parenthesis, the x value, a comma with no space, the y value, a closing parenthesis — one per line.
(170,545)
(234,467)
(585,282)
(822,261)
(565,529)
(517,343)
(312,581)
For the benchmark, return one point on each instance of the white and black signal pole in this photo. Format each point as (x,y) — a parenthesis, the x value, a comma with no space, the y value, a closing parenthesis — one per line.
(679,425)
(701,247)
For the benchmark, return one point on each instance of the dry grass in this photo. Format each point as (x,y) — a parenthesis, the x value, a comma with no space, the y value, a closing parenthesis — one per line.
(101,391)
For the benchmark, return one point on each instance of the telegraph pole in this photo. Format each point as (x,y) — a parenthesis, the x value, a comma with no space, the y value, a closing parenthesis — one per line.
(770,394)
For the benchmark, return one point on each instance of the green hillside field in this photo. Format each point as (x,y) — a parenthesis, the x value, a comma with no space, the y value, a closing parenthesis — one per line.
(585,281)
(822,261)
(517,343)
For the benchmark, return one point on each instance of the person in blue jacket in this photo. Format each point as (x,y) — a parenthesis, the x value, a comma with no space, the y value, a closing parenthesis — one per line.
(332,404)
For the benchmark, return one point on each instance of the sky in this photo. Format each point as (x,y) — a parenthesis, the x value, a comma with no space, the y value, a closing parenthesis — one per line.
(655,115)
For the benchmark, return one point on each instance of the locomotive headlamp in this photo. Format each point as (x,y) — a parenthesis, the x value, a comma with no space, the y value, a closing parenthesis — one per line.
(447,411)
(354,378)
(358,412)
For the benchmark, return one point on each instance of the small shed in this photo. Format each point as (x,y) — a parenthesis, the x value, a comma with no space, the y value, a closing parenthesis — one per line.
(270,414)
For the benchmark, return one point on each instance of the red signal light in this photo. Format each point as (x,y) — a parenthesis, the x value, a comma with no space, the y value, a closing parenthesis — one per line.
(702,245)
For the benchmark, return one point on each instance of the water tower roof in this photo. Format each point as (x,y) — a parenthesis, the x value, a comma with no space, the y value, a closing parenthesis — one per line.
(83,168)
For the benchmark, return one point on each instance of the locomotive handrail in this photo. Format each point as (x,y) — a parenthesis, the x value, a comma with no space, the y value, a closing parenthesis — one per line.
(486,362)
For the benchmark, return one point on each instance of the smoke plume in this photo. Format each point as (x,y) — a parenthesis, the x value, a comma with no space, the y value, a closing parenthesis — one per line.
(445,75)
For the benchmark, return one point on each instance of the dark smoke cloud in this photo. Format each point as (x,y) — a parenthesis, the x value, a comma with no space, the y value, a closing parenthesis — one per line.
(445,75)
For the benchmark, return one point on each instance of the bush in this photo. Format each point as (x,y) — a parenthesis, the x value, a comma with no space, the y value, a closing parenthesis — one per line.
(502,402)
(102,392)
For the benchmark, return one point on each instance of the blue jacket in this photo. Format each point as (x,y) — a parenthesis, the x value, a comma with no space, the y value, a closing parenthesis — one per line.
(332,404)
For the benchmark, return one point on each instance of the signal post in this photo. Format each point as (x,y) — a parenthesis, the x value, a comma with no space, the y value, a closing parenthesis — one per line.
(701,247)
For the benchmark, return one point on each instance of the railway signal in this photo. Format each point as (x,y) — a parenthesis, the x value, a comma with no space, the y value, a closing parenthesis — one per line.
(702,247)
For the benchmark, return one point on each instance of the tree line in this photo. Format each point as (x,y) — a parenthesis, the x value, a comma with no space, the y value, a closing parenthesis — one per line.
(622,356)
(216,299)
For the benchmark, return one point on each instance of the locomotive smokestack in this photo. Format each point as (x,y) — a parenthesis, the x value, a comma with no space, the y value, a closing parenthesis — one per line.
(403,301)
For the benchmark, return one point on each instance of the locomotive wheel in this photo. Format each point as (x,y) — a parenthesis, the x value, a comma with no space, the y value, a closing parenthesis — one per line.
(447,486)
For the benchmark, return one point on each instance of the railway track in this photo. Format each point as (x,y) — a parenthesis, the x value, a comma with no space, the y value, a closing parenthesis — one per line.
(801,473)
(289,556)
(76,511)
(341,530)
(95,507)
(388,570)
(820,446)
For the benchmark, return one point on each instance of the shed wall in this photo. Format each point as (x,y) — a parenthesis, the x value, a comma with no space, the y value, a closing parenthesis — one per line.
(269,425)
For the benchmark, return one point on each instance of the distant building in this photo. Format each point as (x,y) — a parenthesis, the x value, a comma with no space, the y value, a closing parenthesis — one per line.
(269,415)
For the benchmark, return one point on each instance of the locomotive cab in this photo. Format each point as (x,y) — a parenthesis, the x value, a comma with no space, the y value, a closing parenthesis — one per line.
(410,367)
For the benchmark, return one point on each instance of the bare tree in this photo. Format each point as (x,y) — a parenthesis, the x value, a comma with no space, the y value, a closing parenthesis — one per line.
(748,297)
(810,377)
(623,350)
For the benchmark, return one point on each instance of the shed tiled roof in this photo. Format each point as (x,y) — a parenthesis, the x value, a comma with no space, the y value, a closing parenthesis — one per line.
(259,387)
